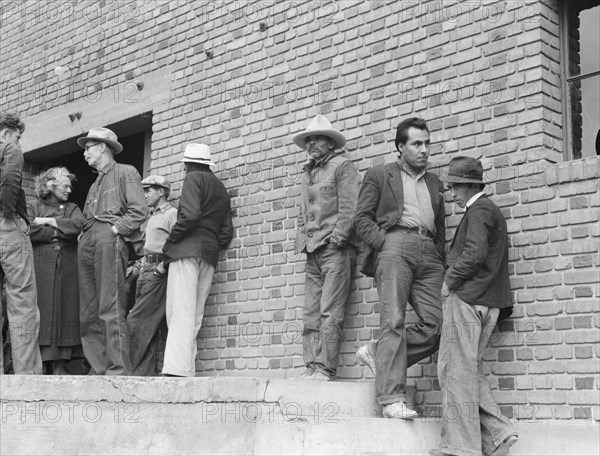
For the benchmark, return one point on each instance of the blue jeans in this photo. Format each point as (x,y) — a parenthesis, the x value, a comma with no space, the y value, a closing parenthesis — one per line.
(16,266)
(471,419)
(328,278)
(408,268)
(103,298)
(144,320)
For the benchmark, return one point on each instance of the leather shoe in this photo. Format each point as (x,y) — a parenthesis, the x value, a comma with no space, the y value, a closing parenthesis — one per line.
(320,377)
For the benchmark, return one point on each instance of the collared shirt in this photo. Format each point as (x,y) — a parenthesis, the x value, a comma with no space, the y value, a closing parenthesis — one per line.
(473,199)
(116,197)
(417,210)
(158,228)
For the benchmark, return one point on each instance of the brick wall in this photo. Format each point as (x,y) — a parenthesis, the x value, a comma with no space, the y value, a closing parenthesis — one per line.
(485,75)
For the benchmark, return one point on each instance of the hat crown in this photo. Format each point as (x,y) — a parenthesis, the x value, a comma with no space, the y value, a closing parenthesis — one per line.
(103,133)
(320,122)
(159,181)
(197,153)
(467,169)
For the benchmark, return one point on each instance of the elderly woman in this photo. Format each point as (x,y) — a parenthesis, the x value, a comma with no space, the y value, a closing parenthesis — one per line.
(54,230)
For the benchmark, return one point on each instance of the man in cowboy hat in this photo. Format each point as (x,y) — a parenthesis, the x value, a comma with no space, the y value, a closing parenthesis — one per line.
(400,217)
(114,211)
(330,185)
(148,311)
(16,255)
(476,288)
(191,252)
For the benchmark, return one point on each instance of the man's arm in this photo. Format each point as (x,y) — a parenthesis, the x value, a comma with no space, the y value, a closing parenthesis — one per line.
(366,221)
(190,206)
(477,245)
(225,233)
(11,168)
(348,185)
(300,240)
(137,209)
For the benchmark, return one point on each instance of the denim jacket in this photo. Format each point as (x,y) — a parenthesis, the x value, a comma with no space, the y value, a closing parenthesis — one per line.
(328,203)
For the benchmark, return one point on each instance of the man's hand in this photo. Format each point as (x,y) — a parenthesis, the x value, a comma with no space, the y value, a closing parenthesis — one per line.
(114,230)
(445,291)
(50,221)
(160,270)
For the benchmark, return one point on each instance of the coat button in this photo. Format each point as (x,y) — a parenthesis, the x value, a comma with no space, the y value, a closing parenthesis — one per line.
(310,234)
(57,247)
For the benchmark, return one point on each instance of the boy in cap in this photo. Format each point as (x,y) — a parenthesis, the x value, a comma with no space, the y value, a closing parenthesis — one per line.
(476,289)
(114,211)
(330,185)
(148,311)
(191,253)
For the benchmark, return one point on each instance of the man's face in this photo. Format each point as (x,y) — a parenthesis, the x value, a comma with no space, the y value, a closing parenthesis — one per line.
(318,146)
(461,193)
(415,152)
(152,195)
(10,136)
(93,153)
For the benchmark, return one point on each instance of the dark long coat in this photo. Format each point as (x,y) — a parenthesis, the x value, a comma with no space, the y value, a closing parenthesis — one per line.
(55,259)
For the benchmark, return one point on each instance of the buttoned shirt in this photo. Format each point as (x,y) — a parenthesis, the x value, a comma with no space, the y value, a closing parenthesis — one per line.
(158,228)
(116,197)
(417,210)
(329,195)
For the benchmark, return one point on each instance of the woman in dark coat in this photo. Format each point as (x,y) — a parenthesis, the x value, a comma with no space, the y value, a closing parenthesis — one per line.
(54,230)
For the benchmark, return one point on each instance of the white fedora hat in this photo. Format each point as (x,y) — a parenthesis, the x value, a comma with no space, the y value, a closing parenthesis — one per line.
(197,153)
(320,126)
(102,135)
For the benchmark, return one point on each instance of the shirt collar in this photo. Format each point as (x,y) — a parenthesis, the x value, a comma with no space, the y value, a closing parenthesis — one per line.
(403,168)
(312,163)
(162,208)
(108,167)
(474,198)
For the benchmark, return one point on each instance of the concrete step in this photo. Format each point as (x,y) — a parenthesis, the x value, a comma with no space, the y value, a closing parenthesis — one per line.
(48,415)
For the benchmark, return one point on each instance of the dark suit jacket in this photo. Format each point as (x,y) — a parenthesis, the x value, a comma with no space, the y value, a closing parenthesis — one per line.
(203,219)
(478,258)
(380,205)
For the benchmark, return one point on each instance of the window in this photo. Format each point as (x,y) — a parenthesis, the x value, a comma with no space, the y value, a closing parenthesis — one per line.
(580,20)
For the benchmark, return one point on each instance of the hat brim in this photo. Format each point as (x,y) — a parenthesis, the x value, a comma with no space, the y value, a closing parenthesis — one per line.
(118,148)
(338,138)
(202,162)
(156,185)
(463,180)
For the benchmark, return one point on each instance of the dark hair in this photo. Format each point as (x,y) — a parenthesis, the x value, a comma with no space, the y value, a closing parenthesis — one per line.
(405,125)
(11,122)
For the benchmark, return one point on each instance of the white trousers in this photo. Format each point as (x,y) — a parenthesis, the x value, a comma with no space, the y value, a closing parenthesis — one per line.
(188,286)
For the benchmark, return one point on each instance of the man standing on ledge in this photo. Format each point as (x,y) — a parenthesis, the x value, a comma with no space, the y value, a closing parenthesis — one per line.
(476,290)
(330,187)
(16,255)
(400,217)
(191,253)
(148,311)
(114,211)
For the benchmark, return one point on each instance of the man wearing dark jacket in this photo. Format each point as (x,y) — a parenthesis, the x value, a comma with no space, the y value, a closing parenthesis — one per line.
(16,254)
(400,217)
(476,288)
(191,252)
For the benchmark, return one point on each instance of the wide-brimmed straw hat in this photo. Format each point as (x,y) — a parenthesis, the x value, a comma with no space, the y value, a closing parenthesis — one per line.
(197,153)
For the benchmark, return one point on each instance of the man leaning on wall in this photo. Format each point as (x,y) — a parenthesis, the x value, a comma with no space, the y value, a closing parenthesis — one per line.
(476,292)
(330,185)
(16,254)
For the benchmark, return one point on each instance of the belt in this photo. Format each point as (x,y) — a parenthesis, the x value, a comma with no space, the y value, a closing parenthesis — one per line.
(415,229)
(154,258)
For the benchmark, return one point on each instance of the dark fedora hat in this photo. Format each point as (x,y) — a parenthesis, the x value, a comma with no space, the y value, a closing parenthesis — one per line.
(465,170)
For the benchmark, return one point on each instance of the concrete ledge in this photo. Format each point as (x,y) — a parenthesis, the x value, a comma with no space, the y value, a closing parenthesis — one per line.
(45,415)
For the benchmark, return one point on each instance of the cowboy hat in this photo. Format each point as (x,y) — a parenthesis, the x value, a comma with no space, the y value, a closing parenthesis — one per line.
(320,126)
